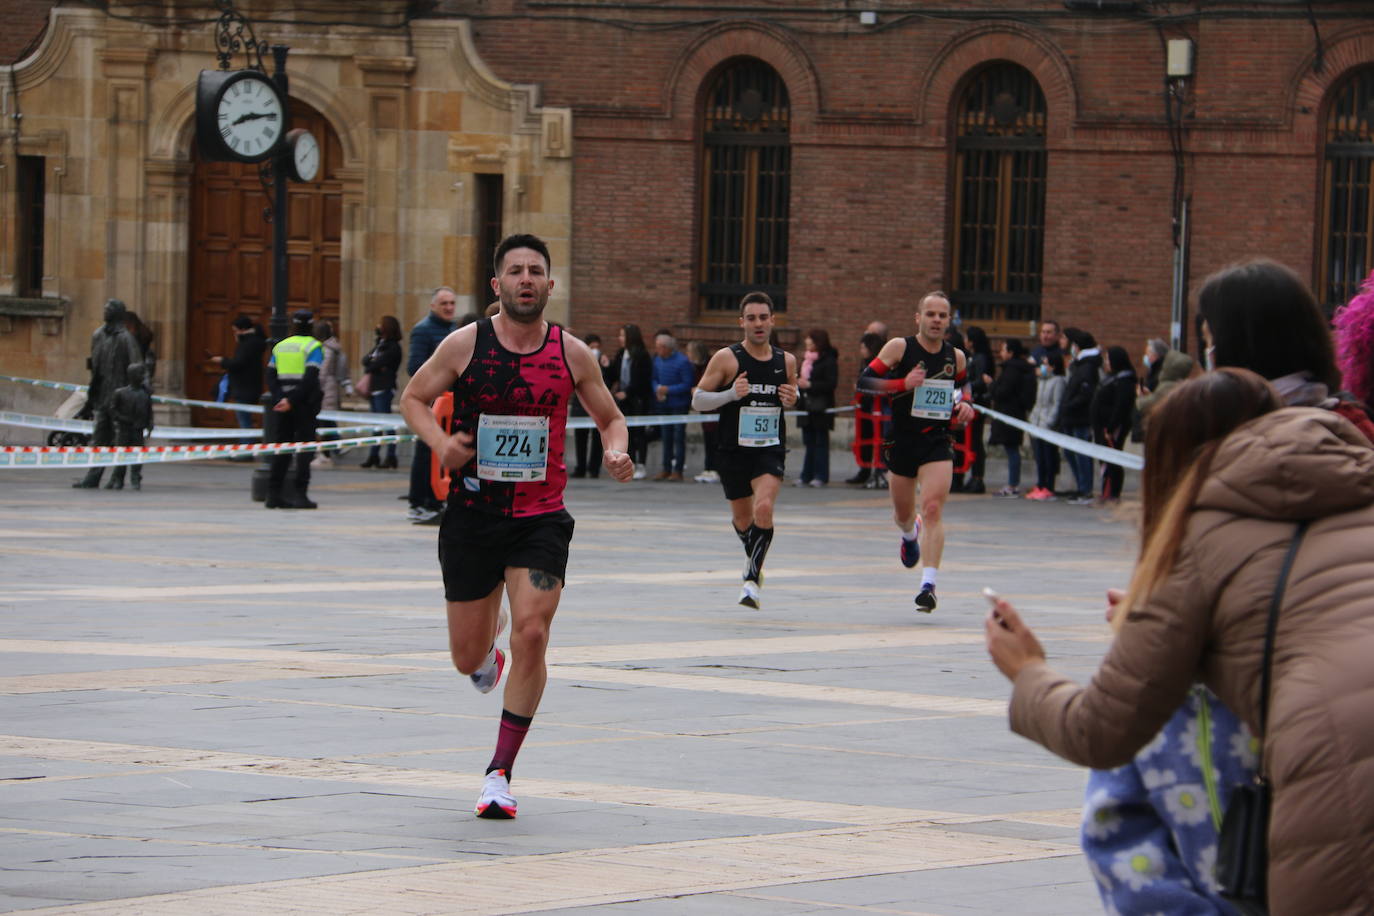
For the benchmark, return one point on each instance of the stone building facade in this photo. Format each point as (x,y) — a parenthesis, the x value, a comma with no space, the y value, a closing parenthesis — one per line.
(414,128)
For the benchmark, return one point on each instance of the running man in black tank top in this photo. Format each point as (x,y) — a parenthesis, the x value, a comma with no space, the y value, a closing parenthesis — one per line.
(925,378)
(750,384)
(512,377)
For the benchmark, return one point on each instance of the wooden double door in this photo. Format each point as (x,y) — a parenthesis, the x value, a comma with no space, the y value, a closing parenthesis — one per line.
(231,254)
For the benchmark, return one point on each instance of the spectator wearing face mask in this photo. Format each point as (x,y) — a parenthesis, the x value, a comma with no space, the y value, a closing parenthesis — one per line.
(1175,367)
(1049,392)
(1153,361)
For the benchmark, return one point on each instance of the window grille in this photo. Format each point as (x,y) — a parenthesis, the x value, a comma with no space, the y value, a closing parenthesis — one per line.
(1346,231)
(999,200)
(745,186)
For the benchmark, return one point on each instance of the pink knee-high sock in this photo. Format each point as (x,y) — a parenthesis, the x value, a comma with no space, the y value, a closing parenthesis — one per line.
(508,741)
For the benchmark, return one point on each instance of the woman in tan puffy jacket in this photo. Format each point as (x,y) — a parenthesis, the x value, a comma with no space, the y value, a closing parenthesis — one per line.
(1229,474)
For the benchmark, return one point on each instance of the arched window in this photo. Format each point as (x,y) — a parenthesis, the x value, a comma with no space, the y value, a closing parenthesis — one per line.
(745,185)
(999,200)
(1347,222)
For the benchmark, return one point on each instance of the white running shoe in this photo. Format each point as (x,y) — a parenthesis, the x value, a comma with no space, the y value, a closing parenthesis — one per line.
(486,677)
(750,594)
(639,474)
(496,802)
(707,477)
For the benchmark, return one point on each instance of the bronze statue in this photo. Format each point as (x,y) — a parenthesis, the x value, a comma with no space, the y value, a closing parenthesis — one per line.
(133,415)
(113,350)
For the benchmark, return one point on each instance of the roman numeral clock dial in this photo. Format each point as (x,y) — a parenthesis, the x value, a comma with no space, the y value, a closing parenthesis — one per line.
(239,115)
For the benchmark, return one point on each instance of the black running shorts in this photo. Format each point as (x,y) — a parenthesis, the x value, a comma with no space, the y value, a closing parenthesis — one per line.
(739,467)
(476,548)
(904,457)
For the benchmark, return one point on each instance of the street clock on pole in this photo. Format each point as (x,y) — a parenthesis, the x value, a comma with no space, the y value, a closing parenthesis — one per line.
(240,115)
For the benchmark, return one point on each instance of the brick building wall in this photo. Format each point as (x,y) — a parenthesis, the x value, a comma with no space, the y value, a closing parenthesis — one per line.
(24,23)
(872,148)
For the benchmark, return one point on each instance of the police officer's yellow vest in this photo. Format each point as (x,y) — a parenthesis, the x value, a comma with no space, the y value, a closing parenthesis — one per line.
(290,356)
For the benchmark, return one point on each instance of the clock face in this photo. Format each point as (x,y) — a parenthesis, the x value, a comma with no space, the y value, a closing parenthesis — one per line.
(305,155)
(249,116)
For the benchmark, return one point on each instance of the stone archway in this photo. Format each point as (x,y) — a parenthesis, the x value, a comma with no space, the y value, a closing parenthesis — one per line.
(229,255)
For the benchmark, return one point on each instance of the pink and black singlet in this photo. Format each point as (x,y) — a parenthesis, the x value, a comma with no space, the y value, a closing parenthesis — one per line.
(516,406)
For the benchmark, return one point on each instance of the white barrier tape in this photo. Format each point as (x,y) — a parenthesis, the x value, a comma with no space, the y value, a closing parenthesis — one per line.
(43,383)
(86,427)
(116,455)
(394,421)
(110,456)
(678,419)
(1071,443)
(377,420)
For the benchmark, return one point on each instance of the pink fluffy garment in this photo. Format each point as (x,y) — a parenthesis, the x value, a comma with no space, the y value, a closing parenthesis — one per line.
(1354,324)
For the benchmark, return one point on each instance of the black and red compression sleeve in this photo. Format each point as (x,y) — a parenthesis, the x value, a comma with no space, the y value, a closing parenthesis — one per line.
(872,381)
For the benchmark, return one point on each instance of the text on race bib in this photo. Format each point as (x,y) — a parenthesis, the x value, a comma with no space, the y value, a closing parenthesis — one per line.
(934,400)
(512,449)
(760,426)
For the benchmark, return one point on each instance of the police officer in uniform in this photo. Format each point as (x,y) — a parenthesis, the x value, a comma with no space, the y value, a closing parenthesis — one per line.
(293,385)
(925,378)
(750,383)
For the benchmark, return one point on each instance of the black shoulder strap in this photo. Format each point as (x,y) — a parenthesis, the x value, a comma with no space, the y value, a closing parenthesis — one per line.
(1274,605)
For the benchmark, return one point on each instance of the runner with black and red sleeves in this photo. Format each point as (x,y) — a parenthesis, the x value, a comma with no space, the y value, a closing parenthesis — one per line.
(925,378)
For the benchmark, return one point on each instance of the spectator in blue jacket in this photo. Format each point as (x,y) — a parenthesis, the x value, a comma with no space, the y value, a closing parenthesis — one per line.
(425,338)
(673,380)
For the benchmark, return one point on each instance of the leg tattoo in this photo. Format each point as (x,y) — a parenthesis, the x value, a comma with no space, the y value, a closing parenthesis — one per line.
(543,581)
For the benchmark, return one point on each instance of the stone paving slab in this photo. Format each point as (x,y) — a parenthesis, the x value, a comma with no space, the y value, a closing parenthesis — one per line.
(212,708)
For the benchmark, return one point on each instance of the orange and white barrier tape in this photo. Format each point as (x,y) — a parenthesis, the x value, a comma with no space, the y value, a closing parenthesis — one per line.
(100,456)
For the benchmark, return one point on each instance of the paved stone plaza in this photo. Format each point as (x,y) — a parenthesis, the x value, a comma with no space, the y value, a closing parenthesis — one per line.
(212,708)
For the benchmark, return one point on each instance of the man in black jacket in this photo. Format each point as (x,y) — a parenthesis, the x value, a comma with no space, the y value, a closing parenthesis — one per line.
(1075,416)
(244,371)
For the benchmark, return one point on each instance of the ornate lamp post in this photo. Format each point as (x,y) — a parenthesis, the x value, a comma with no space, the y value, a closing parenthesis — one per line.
(245,116)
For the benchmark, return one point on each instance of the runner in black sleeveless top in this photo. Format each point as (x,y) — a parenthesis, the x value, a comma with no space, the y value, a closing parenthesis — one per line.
(924,376)
(942,364)
(750,384)
(499,383)
(763,420)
